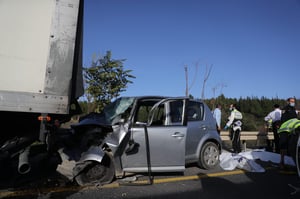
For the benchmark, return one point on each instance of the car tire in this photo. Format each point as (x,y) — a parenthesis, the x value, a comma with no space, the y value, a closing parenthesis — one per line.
(96,173)
(209,156)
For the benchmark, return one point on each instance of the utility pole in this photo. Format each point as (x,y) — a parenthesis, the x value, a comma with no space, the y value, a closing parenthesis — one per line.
(186,82)
(187,86)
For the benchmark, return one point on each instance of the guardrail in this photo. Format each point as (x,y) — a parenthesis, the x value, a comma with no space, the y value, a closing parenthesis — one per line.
(250,136)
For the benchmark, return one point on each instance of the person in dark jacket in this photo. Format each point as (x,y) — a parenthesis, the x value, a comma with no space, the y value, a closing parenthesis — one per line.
(288,112)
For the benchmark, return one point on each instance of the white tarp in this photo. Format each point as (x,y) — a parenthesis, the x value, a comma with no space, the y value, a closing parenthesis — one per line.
(246,160)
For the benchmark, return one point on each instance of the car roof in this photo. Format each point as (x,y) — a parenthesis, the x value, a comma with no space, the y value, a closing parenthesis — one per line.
(141,97)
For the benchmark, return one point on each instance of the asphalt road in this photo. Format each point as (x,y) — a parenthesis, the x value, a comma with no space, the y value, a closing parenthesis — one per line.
(193,183)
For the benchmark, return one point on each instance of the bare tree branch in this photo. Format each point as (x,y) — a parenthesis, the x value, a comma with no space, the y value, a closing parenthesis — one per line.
(222,86)
(195,75)
(207,73)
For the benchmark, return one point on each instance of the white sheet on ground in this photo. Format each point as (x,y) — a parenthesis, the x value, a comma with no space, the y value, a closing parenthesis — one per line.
(246,160)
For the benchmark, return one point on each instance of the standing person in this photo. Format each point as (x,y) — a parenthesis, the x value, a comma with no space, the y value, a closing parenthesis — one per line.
(275,118)
(235,125)
(217,115)
(289,113)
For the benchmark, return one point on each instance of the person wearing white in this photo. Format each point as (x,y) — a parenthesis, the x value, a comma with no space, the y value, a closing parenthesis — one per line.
(235,125)
(217,115)
(275,117)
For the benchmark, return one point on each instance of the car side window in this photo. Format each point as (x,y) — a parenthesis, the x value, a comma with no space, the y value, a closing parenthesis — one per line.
(159,116)
(176,111)
(143,109)
(168,114)
(195,111)
(142,113)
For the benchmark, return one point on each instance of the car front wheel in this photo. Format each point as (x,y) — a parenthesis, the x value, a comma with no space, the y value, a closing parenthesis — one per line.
(92,172)
(209,156)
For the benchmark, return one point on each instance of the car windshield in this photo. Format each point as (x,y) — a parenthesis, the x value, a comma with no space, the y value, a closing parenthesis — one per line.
(119,107)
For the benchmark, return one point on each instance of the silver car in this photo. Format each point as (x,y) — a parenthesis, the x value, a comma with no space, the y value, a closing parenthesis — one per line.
(157,134)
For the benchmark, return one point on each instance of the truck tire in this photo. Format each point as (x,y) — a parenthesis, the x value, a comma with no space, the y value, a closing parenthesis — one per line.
(209,156)
(96,172)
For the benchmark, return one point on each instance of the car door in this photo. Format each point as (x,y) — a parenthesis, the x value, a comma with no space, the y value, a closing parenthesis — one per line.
(164,134)
(197,128)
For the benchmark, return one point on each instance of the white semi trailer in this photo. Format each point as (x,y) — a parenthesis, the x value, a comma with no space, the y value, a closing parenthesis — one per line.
(40,75)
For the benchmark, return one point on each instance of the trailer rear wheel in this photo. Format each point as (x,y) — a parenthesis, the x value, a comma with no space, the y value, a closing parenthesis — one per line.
(93,172)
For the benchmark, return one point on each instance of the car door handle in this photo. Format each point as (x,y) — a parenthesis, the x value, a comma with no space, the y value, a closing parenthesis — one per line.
(177,134)
(204,128)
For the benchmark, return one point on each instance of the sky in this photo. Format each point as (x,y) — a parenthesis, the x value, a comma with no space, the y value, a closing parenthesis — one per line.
(251,46)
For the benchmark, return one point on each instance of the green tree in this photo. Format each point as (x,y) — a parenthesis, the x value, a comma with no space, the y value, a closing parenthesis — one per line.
(105,79)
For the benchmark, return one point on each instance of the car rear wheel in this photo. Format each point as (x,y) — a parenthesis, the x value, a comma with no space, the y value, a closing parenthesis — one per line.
(209,156)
